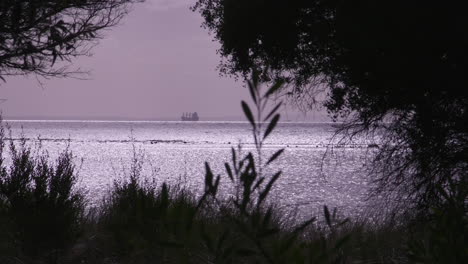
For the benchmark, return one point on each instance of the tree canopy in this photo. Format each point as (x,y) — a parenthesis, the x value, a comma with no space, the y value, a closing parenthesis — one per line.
(397,65)
(35,34)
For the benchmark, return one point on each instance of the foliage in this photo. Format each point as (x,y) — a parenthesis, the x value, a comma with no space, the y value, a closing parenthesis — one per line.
(442,237)
(40,210)
(265,239)
(140,222)
(390,67)
(35,34)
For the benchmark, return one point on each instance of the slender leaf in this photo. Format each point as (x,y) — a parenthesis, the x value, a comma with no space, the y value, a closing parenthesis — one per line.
(274,88)
(208,176)
(327,215)
(229,171)
(214,189)
(273,111)
(267,217)
(252,90)
(234,160)
(54,57)
(259,182)
(304,225)
(248,113)
(164,196)
(255,77)
(271,125)
(275,156)
(344,222)
(267,189)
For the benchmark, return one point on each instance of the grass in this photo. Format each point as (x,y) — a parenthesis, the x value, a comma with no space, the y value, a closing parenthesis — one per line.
(40,211)
(43,221)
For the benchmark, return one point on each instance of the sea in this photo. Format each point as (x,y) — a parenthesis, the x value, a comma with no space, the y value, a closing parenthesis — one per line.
(318,167)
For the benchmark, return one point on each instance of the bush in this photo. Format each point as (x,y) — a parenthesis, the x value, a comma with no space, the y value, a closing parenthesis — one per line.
(42,216)
(39,205)
(140,223)
(440,237)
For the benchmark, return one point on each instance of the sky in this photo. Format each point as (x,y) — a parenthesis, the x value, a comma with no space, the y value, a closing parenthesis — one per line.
(155,65)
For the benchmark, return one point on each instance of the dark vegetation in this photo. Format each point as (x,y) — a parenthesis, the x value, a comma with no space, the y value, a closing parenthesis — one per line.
(387,66)
(40,213)
(44,220)
(391,67)
(35,34)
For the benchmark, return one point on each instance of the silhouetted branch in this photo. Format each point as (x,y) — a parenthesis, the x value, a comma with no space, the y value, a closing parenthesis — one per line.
(35,35)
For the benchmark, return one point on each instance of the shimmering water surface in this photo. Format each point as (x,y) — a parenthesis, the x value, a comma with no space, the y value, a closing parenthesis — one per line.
(315,172)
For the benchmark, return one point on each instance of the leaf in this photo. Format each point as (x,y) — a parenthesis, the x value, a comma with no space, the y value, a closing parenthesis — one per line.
(271,125)
(327,215)
(164,196)
(214,189)
(210,188)
(208,176)
(255,77)
(304,225)
(234,160)
(248,113)
(275,156)
(259,182)
(267,217)
(344,222)
(267,189)
(54,57)
(229,171)
(252,89)
(273,111)
(274,88)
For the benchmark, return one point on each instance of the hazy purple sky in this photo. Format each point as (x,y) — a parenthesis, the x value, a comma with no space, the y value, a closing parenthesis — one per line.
(157,64)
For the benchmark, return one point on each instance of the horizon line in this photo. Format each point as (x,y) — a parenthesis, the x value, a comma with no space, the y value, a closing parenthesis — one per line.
(153,121)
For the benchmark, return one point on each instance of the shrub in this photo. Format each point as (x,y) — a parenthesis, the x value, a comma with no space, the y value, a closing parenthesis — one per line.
(140,222)
(38,202)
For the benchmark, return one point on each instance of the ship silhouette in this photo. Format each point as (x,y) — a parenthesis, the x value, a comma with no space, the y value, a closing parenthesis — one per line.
(190,117)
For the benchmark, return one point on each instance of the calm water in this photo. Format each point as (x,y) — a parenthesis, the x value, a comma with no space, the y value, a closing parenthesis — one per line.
(315,172)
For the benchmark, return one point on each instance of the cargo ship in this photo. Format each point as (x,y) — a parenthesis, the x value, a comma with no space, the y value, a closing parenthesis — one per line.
(190,117)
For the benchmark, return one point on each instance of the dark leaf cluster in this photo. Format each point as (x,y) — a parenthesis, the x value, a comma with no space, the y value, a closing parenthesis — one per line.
(394,67)
(36,34)
(41,211)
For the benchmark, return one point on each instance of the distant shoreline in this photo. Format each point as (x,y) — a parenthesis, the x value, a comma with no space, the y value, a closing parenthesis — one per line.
(151,121)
